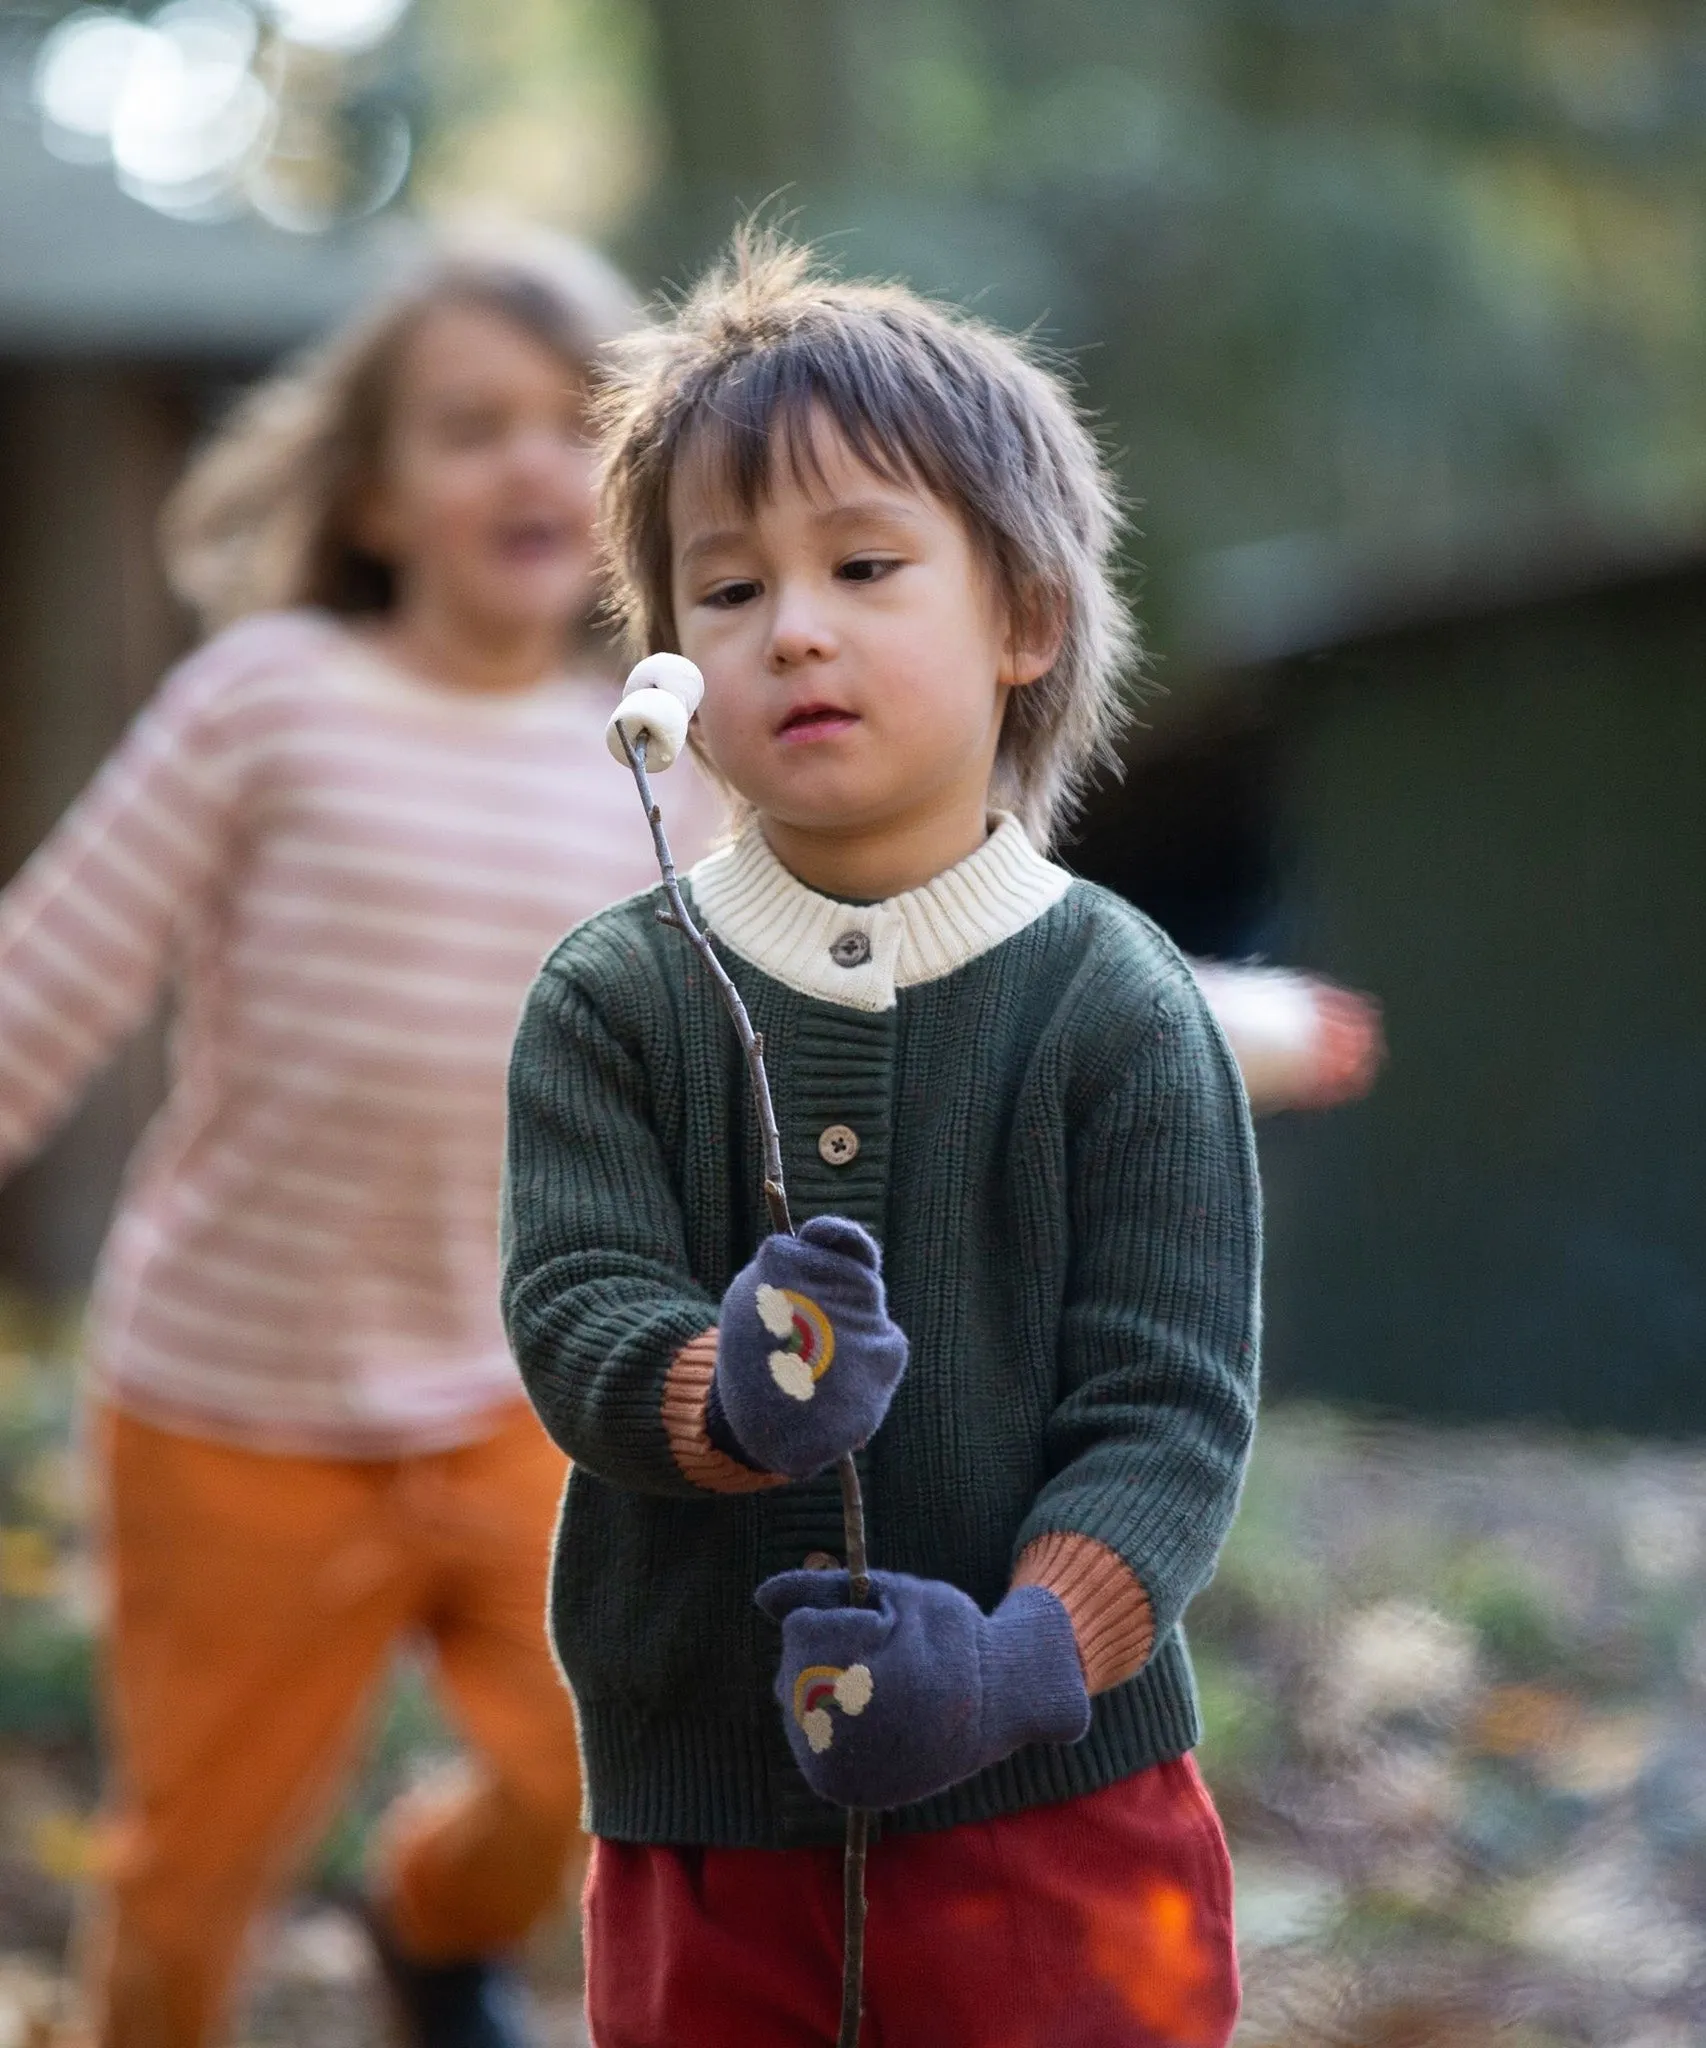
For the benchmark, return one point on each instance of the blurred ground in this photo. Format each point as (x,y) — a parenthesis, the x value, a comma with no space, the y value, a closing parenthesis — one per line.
(1453,1683)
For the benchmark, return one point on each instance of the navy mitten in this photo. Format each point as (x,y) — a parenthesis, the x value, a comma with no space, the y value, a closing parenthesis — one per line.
(899,1700)
(807,1359)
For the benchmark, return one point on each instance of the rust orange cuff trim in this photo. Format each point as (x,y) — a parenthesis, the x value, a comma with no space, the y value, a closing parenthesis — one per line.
(1104,1599)
(685,1390)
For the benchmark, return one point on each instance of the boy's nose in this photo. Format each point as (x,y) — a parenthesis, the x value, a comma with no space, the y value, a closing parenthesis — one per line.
(799,632)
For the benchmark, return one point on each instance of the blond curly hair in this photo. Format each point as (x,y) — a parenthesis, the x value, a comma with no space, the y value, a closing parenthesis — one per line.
(262,517)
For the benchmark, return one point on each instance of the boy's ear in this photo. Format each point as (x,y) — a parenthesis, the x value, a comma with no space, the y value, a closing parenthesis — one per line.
(1036,628)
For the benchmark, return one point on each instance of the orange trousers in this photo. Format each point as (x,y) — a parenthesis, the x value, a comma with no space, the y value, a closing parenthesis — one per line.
(256,1602)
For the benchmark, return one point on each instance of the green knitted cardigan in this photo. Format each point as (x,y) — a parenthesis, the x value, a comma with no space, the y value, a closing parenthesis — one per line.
(1051,1141)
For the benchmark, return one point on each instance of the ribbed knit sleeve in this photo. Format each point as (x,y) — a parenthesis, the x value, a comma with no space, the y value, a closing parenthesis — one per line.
(1159,1334)
(597,1293)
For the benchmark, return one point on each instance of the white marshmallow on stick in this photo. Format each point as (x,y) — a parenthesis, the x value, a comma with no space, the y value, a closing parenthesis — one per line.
(658,702)
(671,672)
(653,716)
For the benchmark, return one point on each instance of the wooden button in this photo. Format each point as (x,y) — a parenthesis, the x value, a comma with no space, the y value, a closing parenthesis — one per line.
(839,1145)
(821,1561)
(852,949)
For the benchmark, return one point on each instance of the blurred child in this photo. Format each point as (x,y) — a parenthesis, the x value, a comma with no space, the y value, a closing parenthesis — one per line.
(885,537)
(346,831)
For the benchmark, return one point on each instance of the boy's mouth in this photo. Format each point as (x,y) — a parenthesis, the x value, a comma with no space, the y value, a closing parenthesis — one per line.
(816,722)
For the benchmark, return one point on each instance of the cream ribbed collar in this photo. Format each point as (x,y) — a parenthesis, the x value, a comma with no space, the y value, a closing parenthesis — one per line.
(859,954)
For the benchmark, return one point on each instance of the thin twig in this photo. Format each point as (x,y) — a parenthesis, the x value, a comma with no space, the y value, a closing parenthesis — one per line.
(853,1928)
(775,1194)
(853,1526)
(852,1502)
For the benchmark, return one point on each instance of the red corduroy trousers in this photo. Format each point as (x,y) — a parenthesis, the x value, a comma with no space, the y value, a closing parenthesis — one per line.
(1104,1922)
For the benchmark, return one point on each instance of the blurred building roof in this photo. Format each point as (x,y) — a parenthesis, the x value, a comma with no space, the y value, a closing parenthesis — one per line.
(85,270)
(1302,594)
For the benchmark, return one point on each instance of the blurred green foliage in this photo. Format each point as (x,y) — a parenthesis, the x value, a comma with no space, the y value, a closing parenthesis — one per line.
(1411,276)
(412,1740)
(46,1610)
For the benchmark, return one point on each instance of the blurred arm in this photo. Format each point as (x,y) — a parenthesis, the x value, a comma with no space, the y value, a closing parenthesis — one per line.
(1300,1042)
(87,929)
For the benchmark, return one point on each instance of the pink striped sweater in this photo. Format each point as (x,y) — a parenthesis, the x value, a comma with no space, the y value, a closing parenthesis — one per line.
(350,876)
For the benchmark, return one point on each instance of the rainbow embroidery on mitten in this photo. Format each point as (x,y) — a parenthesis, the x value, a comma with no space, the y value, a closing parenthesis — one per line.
(808,1341)
(816,1687)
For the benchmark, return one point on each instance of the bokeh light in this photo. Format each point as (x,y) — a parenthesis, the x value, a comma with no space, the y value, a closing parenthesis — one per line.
(191,112)
(187,109)
(346,25)
(80,76)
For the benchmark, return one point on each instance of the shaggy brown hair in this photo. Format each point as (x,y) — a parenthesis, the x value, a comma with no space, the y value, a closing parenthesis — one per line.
(262,518)
(922,394)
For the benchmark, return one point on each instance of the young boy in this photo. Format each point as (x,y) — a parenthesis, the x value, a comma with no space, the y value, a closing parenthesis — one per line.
(884,537)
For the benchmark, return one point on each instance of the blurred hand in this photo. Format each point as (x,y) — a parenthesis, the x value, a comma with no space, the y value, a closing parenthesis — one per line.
(1350,1046)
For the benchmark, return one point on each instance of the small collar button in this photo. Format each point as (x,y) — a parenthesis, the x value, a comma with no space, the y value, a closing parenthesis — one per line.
(852,949)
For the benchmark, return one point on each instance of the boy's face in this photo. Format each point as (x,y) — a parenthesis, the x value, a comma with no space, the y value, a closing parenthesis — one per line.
(856,656)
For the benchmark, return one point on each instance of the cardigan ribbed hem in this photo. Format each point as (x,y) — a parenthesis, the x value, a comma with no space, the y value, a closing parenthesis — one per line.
(731,1784)
(859,954)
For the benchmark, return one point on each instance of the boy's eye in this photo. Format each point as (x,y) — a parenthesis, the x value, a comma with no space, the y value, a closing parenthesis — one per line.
(727,595)
(867,568)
